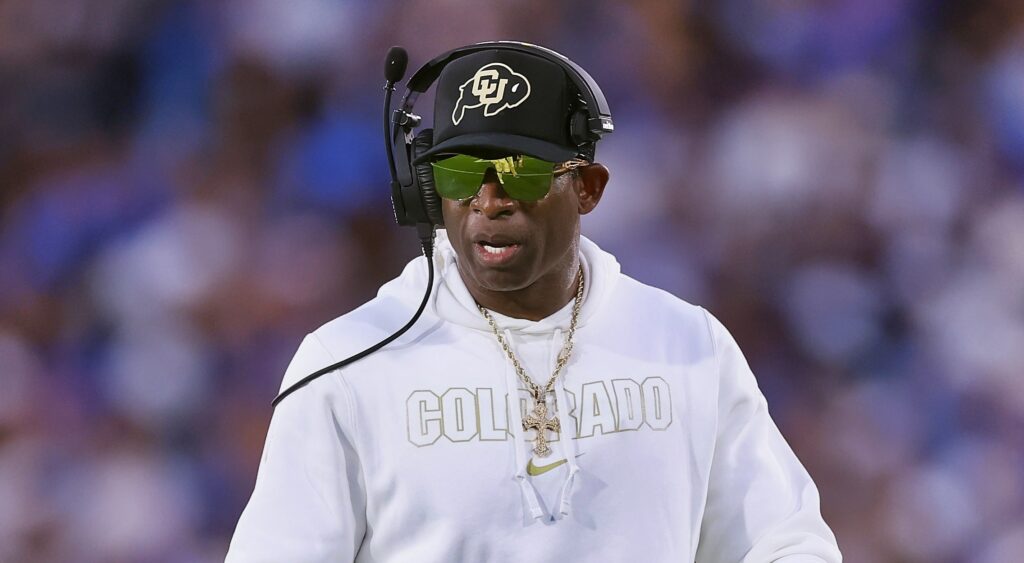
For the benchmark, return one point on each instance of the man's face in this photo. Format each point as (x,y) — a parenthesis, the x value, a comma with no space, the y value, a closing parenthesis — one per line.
(506,245)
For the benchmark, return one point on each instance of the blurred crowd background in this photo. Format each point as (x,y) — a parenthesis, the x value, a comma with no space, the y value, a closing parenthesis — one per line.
(188,187)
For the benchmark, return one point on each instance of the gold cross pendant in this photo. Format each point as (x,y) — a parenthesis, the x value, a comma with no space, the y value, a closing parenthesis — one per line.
(540,422)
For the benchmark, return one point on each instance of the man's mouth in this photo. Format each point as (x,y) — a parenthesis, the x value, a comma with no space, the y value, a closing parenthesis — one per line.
(494,253)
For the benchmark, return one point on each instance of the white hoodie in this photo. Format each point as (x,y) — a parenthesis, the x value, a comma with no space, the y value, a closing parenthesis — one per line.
(417,452)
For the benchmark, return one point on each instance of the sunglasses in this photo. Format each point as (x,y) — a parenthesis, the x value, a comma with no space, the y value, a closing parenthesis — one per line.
(522,177)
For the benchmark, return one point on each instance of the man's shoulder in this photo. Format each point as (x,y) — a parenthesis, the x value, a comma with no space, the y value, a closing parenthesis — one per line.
(365,325)
(650,300)
(638,314)
(351,333)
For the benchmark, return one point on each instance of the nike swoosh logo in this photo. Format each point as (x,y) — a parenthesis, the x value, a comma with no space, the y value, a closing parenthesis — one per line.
(534,470)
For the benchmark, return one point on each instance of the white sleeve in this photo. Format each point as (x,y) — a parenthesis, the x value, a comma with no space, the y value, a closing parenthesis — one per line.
(309,501)
(762,505)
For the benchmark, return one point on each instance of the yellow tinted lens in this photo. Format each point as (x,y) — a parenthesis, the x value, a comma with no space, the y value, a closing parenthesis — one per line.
(455,184)
(526,187)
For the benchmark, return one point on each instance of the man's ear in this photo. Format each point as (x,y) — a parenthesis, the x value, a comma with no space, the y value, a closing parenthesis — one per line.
(594,177)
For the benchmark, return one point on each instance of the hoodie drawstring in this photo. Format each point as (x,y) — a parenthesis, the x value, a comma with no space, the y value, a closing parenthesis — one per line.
(566,435)
(529,492)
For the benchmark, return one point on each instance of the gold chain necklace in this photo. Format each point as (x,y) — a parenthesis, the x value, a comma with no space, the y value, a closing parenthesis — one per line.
(539,420)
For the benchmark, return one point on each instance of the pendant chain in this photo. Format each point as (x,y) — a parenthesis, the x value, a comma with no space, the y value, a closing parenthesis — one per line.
(537,391)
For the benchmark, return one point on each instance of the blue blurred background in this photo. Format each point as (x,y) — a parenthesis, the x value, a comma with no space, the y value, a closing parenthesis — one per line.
(187,188)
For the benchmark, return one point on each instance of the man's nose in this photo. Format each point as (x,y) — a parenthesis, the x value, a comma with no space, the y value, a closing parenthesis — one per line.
(491,200)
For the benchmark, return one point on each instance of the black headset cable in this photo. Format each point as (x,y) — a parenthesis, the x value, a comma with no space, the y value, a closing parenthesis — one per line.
(428,251)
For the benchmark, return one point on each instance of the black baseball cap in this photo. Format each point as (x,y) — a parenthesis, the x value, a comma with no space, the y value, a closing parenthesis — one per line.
(500,102)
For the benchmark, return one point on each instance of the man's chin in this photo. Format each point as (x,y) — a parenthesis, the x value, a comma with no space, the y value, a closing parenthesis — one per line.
(495,279)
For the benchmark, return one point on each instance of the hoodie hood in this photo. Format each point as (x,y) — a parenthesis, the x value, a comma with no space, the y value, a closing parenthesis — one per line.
(451,301)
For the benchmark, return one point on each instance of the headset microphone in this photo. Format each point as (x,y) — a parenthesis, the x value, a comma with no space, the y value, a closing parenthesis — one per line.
(394,70)
(394,65)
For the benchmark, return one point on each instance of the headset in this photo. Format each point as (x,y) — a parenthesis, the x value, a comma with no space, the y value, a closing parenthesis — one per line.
(412,189)
(413,198)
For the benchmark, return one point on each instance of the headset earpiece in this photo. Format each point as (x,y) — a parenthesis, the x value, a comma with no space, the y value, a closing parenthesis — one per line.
(414,199)
(423,175)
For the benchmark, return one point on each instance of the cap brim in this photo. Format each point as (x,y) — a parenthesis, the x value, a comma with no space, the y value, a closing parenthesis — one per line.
(497,145)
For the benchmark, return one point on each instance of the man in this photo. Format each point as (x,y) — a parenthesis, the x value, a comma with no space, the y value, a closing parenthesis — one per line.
(545,407)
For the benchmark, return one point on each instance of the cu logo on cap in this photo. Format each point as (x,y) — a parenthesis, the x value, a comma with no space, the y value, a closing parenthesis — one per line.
(495,86)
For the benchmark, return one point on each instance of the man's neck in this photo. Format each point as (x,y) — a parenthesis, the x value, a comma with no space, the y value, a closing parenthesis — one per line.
(537,301)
